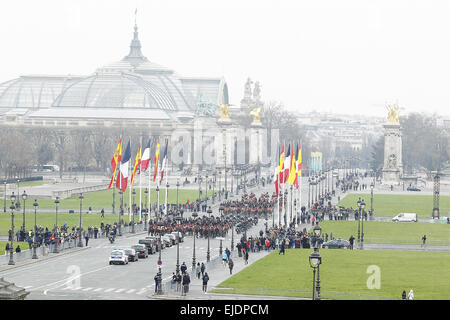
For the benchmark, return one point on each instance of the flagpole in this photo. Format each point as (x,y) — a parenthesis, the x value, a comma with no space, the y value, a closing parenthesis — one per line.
(166,173)
(140,187)
(149,183)
(131,186)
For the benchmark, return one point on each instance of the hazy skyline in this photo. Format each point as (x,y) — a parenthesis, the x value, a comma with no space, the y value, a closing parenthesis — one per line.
(340,56)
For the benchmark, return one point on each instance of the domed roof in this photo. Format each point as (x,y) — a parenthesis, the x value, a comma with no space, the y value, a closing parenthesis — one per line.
(114,90)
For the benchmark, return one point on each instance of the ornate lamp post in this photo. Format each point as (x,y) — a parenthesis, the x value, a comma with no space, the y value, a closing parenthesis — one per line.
(220,247)
(209,211)
(133,210)
(206,190)
(55,250)
(4,201)
(315,260)
(24,198)
(80,243)
(178,185)
(11,249)
(232,235)
(146,209)
(157,213)
(35,204)
(159,275)
(363,205)
(177,269)
(371,198)
(195,215)
(120,212)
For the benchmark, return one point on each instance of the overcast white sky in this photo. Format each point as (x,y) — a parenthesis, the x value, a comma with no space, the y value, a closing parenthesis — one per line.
(349,56)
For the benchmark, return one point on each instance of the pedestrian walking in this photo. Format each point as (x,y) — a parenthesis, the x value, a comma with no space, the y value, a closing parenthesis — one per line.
(351,241)
(179,280)
(7,248)
(183,268)
(282,249)
(198,270)
(224,258)
(156,283)
(404,295)
(173,282)
(86,237)
(186,281)
(205,279)
(246,257)
(103,213)
(203,268)
(411,295)
(424,239)
(18,249)
(231,265)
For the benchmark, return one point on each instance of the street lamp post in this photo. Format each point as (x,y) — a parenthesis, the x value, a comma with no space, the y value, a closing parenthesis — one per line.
(80,243)
(358,203)
(232,235)
(177,269)
(146,209)
(207,252)
(206,191)
(157,213)
(315,260)
(363,205)
(178,185)
(195,215)
(35,204)
(4,201)
(371,198)
(24,198)
(11,249)
(120,212)
(133,209)
(159,275)
(55,250)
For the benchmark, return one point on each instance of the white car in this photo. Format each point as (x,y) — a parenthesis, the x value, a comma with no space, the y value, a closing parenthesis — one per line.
(405,217)
(172,237)
(118,257)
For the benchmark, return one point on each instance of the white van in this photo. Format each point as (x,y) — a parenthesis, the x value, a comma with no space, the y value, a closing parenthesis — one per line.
(405,217)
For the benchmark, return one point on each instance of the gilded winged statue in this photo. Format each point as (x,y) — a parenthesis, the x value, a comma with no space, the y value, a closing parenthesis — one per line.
(256,113)
(224,112)
(393,113)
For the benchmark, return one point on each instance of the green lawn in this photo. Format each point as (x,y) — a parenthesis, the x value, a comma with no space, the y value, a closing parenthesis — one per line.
(387,205)
(23,246)
(390,232)
(103,199)
(48,219)
(343,274)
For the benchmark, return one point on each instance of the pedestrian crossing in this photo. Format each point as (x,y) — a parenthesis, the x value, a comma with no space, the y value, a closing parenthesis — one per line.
(139,291)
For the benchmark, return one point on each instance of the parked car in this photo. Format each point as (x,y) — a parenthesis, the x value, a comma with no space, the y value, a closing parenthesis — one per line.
(132,255)
(336,244)
(150,244)
(413,189)
(156,241)
(172,237)
(405,217)
(166,240)
(141,250)
(118,257)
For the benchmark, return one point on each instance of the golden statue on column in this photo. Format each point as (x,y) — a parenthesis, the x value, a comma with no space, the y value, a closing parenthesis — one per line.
(393,113)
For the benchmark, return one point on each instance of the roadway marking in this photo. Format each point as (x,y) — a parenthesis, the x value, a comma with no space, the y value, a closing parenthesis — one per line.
(98,289)
(130,291)
(87,289)
(141,291)
(119,290)
(110,289)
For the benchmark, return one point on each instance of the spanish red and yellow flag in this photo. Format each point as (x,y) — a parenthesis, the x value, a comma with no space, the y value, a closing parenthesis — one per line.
(137,162)
(156,161)
(293,169)
(117,157)
(298,165)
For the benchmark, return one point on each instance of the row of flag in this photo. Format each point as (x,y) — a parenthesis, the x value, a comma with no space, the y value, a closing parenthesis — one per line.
(120,164)
(289,167)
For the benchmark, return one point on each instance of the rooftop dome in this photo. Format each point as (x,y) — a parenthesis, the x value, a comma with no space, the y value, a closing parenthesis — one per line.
(114,90)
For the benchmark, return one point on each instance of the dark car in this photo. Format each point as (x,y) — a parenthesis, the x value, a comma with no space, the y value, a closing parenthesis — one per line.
(156,243)
(132,254)
(141,250)
(336,244)
(413,189)
(150,245)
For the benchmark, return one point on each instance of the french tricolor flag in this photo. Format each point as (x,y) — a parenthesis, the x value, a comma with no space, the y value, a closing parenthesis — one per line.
(164,161)
(121,183)
(145,157)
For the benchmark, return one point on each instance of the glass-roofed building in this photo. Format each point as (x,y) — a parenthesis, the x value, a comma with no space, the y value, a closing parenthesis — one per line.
(133,91)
